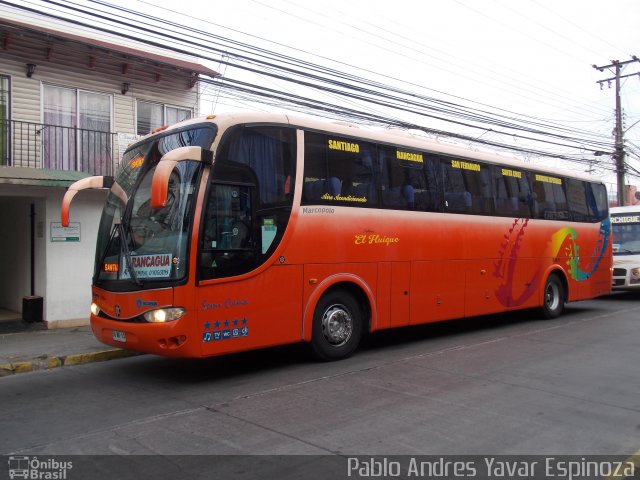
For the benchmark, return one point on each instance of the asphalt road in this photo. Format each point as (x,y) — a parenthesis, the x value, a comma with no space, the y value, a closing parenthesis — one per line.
(510,385)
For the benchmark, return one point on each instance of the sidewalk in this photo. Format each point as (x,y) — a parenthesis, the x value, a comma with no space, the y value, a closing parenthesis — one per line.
(28,347)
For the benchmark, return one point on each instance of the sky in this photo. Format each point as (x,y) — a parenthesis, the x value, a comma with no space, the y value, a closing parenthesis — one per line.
(530,58)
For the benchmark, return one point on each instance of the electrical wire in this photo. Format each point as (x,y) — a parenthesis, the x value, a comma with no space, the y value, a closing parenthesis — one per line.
(338,85)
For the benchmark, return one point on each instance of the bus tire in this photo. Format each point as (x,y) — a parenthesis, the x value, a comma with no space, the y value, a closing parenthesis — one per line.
(554,297)
(337,326)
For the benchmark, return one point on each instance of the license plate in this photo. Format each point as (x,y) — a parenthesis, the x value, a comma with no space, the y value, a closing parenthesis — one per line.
(119,336)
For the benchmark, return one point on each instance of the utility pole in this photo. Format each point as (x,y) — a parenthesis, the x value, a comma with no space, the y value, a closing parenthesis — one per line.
(618,154)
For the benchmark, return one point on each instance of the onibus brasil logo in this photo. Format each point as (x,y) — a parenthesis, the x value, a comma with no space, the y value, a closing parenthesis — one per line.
(36,469)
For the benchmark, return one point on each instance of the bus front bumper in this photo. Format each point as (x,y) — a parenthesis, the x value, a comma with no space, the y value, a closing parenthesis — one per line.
(170,339)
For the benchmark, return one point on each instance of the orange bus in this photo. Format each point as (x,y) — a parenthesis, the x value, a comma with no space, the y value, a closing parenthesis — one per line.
(243,231)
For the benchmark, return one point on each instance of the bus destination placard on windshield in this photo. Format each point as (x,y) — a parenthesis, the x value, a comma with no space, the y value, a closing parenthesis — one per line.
(148,266)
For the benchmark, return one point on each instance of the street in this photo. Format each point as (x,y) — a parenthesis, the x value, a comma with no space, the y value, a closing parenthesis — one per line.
(509,384)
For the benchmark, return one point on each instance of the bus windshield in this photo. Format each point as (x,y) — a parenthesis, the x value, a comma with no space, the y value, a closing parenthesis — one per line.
(626,234)
(136,243)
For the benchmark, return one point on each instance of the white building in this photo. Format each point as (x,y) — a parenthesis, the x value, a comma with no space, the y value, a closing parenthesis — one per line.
(69,105)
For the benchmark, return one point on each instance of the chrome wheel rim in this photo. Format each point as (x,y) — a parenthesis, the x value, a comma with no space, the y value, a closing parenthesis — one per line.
(337,325)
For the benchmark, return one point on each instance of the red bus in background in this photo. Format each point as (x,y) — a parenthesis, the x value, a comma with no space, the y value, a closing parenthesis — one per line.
(244,231)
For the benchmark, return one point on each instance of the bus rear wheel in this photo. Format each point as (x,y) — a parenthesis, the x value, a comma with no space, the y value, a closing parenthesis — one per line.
(554,297)
(337,326)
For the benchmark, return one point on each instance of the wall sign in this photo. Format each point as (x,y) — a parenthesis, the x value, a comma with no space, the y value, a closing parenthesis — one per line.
(65,234)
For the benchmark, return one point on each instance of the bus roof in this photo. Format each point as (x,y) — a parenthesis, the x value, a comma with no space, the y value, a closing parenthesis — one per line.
(625,209)
(392,136)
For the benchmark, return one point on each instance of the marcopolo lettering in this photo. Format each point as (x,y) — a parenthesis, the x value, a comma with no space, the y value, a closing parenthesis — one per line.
(312,210)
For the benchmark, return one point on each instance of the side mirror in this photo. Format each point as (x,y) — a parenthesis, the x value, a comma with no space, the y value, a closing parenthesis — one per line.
(85,184)
(160,180)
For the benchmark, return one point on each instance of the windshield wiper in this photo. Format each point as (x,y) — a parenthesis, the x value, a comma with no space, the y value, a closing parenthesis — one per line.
(127,253)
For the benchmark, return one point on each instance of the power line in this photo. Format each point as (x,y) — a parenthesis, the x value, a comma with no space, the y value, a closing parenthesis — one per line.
(619,153)
(328,81)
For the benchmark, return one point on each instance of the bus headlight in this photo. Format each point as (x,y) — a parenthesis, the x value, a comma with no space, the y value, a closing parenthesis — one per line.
(163,315)
(95,309)
(635,275)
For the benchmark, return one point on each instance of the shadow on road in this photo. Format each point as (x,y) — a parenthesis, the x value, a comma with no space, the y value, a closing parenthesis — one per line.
(296,356)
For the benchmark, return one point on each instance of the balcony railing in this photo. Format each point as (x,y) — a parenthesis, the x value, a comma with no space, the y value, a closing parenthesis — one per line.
(37,145)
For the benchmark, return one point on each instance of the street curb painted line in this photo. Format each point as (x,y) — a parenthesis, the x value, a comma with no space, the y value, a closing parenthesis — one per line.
(47,363)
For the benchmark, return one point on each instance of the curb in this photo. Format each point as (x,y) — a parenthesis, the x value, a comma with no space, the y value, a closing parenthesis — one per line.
(46,363)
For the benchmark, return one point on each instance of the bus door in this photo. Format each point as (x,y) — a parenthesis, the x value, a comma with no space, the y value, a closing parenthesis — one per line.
(239,309)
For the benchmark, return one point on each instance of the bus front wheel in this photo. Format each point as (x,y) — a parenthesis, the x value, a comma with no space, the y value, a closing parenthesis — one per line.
(337,326)
(554,297)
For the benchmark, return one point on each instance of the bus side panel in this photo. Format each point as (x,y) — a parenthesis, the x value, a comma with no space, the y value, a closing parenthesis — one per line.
(602,279)
(324,276)
(520,282)
(584,253)
(383,297)
(597,283)
(265,311)
(599,266)
(481,287)
(437,291)
(400,294)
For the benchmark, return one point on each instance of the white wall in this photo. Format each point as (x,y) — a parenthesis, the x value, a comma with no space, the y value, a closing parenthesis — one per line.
(69,265)
(63,270)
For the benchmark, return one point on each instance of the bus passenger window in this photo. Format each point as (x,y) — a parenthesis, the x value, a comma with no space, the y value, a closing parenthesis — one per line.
(577,200)
(549,197)
(407,180)
(339,171)
(269,152)
(597,201)
(510,191)
(467,187)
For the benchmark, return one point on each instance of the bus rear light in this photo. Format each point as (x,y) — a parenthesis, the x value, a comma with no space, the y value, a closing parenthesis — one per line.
(163,315)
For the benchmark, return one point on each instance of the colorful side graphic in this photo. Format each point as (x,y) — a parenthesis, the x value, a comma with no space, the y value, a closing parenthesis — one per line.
(563,243)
